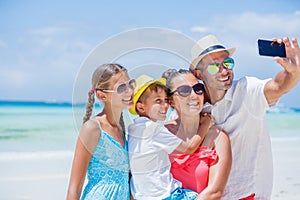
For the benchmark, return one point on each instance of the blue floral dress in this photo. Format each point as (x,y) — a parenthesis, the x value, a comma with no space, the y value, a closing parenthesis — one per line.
(108,170)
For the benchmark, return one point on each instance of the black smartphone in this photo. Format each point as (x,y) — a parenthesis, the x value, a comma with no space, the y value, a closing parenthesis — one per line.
(270,48)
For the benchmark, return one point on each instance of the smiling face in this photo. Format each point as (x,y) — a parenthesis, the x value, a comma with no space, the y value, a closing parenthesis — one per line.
(153,103)
(191,104)
(118,100)
(220,82)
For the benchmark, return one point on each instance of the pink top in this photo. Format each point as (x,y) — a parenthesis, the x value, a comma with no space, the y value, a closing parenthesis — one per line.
(193,169)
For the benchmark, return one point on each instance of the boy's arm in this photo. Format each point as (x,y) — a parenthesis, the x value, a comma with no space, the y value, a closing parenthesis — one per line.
(192,145)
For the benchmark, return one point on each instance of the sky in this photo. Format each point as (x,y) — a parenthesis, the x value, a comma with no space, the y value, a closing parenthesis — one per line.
(46,45)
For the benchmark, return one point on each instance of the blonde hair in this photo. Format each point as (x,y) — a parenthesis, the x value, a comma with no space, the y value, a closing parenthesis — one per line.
(100,79)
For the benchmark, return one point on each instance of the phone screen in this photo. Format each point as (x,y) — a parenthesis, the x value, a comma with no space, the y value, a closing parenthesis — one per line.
(270,48)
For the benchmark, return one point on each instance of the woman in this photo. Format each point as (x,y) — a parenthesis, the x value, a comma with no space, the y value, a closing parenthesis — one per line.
(101,149)
(207,170)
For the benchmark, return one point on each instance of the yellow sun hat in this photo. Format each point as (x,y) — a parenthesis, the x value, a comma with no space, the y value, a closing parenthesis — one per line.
(142,83)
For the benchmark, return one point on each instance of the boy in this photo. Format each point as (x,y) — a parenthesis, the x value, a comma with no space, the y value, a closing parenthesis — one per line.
(150,143)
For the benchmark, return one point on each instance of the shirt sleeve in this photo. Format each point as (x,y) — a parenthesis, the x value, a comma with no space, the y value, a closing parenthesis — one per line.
(255,99)
(166,140)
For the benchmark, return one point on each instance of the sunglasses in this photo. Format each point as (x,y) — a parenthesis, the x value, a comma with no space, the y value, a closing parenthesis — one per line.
(186,90)
(214,68)
(122,87)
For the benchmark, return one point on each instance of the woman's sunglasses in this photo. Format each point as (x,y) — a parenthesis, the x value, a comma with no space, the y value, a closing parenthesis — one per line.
(122,87)
(186,90)
(214,68)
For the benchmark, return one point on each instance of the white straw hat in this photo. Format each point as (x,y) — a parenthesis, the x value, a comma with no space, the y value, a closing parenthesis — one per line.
(206,45)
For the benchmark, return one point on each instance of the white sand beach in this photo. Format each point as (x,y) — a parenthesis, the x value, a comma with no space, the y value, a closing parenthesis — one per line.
(286,169)
(34,176)
(45,175)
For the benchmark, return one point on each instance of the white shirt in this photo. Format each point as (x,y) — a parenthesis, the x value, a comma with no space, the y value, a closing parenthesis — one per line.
(242,114)
(149,146)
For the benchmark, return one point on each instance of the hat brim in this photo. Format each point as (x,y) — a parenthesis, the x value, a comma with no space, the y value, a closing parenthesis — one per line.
(197,60)
(139,91)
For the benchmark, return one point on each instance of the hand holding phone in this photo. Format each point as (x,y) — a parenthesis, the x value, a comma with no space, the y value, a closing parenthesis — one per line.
(270,48)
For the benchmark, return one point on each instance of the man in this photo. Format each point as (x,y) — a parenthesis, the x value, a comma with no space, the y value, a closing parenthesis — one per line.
(239,107)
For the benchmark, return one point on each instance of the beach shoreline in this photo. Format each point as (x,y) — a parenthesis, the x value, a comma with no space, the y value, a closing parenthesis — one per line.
(36,158)
(45,175)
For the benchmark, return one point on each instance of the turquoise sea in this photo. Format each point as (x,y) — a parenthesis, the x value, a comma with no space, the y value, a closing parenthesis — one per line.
(37,142)
(36,126)
(41,126)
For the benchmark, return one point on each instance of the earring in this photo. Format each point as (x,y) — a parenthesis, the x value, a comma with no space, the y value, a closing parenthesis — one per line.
(101,96)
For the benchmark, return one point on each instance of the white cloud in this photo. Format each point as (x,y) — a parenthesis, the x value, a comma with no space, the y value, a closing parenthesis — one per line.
(253,24)
(199,29)
(81,45)
(47,36)
(60,49)
(45,58)
(49,31)
(243,30)
(51,48)
(14,78)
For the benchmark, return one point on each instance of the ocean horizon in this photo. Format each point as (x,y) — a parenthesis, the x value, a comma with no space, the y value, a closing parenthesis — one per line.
(53,126)
(37,143)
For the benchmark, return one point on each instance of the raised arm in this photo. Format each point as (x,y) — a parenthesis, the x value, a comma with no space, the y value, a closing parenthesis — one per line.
(219,172)
(288,78)
(191,146)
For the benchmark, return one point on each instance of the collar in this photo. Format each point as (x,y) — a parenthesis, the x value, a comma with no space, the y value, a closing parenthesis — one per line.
(141,119)
(229,93)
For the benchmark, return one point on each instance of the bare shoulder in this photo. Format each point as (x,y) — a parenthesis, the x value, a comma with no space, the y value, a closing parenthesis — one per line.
(90,126)
(215,135)
(220,133)
(90,134)
(222,138)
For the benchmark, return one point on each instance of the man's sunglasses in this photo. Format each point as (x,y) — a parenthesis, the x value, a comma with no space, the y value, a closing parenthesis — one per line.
(122,87)
(214,68)
(186,90)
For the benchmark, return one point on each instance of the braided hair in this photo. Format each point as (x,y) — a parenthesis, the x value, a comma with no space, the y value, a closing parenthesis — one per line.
(100,79)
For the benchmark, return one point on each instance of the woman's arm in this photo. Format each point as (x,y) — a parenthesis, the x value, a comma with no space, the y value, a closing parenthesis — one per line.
(219,172)
(86,143)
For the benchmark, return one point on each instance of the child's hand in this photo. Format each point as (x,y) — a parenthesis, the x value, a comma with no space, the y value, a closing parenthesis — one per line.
(207,120)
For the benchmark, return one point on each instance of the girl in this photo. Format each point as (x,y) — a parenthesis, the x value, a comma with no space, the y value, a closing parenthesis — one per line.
(101,149)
